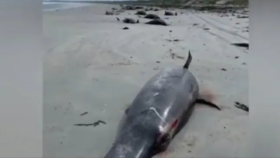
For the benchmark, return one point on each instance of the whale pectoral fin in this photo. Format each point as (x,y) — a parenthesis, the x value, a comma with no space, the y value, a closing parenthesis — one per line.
(202,101)
(126,110)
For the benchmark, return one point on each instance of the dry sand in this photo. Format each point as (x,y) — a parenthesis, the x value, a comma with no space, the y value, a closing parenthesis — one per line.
(92,65)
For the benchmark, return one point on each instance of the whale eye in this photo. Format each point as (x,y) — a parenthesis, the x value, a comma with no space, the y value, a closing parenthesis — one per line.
(166,135)
(165,139)
(163,143)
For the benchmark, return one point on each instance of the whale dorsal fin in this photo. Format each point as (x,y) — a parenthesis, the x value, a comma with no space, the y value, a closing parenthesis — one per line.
(188,62)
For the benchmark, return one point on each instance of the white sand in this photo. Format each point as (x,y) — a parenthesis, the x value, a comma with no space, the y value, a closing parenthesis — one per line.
(81,46)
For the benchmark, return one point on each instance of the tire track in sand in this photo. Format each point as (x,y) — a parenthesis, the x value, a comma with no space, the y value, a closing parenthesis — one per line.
(221,29)
(221,37)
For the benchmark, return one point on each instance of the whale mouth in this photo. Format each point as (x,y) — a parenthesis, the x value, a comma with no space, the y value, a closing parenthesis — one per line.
(136,150)
(138,136)
(132,147)
(134,142)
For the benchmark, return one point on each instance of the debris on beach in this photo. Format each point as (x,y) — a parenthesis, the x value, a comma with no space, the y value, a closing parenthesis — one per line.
(223,69)
(245,45)
(157,22)
(173,56)
(242,106)
(91,124)
(118,19)
(82,114)
(158,61)
(151,16)
(125,28)
(206,28)
(130,21)
(236,57)
(141,12)
(175,40)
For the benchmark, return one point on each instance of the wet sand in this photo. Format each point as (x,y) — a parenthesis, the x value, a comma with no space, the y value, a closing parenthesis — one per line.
(92,65)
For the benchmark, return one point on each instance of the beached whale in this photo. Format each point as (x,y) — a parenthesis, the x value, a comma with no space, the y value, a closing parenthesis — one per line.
(157,114)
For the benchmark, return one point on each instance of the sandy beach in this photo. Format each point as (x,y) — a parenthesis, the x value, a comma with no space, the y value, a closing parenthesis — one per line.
(92,65)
